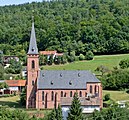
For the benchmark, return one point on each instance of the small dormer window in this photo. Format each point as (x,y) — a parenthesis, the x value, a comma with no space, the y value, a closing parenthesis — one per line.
(60,74)
(32,49)
(43,74)
(70,82)
(78,74)
(51,82)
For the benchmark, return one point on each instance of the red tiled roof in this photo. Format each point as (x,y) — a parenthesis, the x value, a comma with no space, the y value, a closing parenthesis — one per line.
(59,54)
(48,52)
(13,83)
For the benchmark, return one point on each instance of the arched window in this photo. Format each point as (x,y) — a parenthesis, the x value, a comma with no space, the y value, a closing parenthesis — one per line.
(42,95)
(33,64)
(71,94)
(98,90)
(32,82)
(95,88)
(80,94)
(85,94)
(90,89)
(65,95)
(61,93)
(52,96)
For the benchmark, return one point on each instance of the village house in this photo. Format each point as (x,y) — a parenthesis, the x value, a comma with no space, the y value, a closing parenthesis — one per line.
(7,58)
(48,88)
(48,53)
(15,86)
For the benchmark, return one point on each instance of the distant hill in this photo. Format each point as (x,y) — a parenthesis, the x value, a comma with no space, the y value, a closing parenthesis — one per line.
(67,25)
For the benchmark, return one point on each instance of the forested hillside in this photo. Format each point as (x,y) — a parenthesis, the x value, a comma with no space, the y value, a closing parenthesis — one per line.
(101,26)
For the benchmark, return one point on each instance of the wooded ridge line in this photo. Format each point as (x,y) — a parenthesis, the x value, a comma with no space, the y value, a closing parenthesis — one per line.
(67,25)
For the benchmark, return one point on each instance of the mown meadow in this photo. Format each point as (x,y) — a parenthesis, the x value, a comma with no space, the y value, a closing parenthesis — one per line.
(109,61)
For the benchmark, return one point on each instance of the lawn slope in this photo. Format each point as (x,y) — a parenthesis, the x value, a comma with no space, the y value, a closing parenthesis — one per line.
(109,61)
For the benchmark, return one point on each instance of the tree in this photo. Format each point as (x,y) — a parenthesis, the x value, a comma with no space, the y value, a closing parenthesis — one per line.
(53,115)
(3,85)
(6,114)
(124,63)
(75,112)
(41,60)
(63,59)
(59,113)
(106,97)
(116,80)
(111,113)
(15,66)
(1,72)
(23,97)
(102,69)
(71,57)
(89,55)
(1,57)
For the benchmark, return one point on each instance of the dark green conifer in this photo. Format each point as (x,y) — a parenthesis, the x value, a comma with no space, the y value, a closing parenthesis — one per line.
(75,112)
(53,115)
(59,113)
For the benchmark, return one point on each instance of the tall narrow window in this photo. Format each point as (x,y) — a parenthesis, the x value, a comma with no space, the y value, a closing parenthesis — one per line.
(52,96)
(61,93)
(71,94)
(65,95)
(32,82)
(95,89)
(85,94)
(42,95)
(80,94)
(33,64)
(98,90)
(90,89)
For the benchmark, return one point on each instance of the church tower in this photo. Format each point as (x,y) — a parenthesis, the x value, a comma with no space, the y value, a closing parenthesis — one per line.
(32,70)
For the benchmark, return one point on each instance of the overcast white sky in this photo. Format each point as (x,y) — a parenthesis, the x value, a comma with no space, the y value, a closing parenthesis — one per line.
(11,2)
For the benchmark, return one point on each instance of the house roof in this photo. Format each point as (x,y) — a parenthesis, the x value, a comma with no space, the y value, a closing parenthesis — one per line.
(64,79)
(15,83)
(33,45)
(48,52)
(59,54)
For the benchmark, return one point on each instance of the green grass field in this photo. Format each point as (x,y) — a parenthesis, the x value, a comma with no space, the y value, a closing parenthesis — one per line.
(117,95)
(10,101)
(109,61)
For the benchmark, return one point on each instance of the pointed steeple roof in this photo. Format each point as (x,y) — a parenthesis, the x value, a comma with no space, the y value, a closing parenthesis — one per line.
(33,45)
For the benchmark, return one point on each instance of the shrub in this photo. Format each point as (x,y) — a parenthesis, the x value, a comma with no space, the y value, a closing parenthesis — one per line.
(63,59)
(89,55)
(124,64)
(107,97)
(81,57)
(76,58)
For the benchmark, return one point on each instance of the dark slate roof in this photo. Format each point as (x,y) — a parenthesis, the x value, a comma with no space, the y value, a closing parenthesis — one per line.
(33,46)
(64,79)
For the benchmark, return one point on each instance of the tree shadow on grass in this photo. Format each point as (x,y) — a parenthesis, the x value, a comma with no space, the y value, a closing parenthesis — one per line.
(11,104)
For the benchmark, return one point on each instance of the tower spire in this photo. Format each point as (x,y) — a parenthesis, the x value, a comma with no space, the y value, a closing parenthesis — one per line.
(33,45)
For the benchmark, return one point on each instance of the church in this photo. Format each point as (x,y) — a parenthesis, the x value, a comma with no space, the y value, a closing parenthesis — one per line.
(48,88)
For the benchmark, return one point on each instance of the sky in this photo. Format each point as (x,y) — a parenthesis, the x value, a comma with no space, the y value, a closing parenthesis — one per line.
(11,2)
